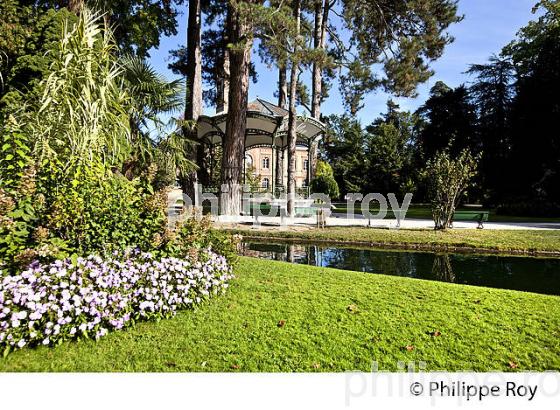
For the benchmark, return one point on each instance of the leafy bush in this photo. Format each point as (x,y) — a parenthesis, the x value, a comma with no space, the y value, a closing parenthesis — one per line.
(447,179)
(98,209)
(21,238)
(324,181)
(325,184)
(194,235)
(87,297)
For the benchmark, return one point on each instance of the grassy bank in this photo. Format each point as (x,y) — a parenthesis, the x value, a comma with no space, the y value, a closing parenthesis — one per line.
(531,242)
(425,212)
(282,317)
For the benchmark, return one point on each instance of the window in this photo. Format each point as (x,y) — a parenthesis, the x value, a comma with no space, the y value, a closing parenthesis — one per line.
(265,183)
(248,161)
(266,163)
(305,164)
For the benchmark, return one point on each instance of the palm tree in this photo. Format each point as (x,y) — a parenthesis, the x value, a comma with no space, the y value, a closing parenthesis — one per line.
(153,97)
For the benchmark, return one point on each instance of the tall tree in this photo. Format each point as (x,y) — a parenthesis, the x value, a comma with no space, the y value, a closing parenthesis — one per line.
(450,119)
(321,20)
(391,152)
(492,92)
(345,149)
(193,102)
(292,120)
(534,175)
(240,34)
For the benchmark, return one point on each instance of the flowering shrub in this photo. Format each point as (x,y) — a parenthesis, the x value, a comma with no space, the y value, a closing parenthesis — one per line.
(88,297)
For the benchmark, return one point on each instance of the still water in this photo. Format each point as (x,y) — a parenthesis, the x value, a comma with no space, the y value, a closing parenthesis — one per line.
(538,275)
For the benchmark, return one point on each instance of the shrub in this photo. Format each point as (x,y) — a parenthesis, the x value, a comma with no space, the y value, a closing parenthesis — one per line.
(447,179)
(195,234)
(88,297)
(98,209)
(324,182)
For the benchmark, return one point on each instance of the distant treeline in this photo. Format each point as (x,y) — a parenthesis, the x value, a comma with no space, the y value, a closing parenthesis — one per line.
(509,112)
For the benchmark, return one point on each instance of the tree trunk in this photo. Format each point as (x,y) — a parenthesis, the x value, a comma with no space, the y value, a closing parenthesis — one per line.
(223,84)
(234,141)
(193,98)
(279,165)
(282,86)
(319,38)
(292,119)
(282,102)
(75,6)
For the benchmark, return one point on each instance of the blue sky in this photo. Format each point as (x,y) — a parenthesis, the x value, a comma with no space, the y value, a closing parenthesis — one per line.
(487,27)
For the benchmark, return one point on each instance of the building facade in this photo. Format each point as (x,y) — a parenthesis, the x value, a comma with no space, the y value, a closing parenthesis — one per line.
(259,161)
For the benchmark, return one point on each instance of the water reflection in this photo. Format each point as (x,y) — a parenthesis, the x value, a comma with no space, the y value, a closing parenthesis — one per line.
(520,273)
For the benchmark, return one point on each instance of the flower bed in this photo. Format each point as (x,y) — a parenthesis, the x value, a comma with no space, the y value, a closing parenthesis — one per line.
(47,304)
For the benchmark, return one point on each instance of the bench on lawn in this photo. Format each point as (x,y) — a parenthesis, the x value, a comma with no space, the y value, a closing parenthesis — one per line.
(476,216)
(305,211)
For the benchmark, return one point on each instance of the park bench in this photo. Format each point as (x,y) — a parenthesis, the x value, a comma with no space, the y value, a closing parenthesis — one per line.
(305,211)
(476,216)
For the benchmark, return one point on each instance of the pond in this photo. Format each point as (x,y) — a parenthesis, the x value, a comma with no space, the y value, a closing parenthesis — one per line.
(529,274)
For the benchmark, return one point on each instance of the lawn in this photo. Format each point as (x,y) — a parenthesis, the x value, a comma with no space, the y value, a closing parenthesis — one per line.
(416,211)
(535,242)
(282,317)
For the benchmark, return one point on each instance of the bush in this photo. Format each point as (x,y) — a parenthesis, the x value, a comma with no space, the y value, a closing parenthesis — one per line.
(99,210)
(325,184)
(82,210)
(88,297)
(193,235)
(447,179)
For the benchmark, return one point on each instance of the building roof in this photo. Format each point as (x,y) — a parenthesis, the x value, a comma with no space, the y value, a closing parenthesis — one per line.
(267,124)
(265,107)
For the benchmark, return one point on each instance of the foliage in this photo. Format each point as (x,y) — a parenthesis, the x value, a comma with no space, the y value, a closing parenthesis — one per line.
(137,24)
(450,121)
(383,157)
(252,178)
(87,297)
(151,97)
(402,37)
(533,164)
(150,92)
(492,92)
(99,209)
(392,152)
(82,113)
(324,181)
(21,237)
(60,160)
(194,235)
(345,151)
(447,179)
(28,39)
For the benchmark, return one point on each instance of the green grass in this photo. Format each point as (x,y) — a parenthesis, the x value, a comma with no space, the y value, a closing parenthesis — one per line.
(537,242)
(424,212)
(334,321)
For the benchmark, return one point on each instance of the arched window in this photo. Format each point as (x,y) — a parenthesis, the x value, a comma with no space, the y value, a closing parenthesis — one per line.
(248,161)
(266,163)
(265,183)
